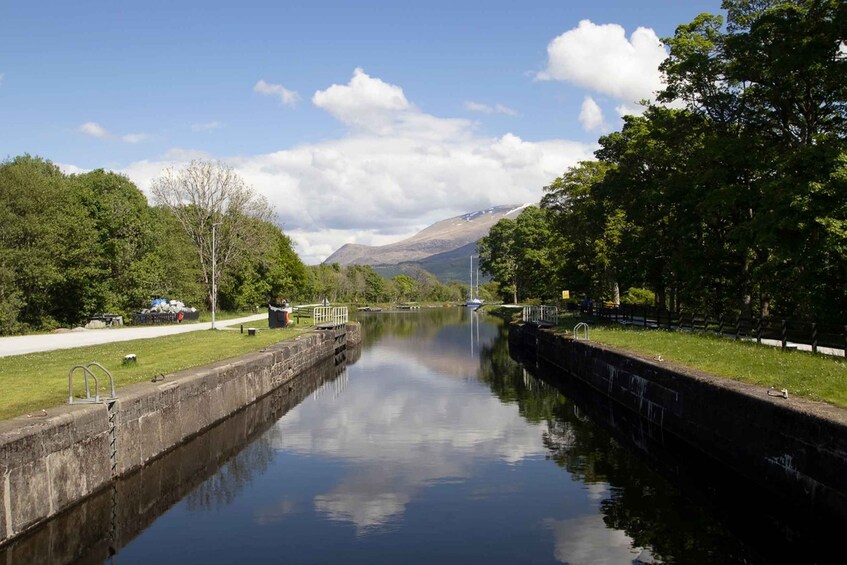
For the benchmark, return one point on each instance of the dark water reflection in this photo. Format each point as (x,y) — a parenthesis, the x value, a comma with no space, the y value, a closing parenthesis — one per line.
(436,446)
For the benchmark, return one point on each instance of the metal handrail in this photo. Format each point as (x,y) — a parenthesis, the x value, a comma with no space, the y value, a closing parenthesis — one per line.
(86,372)
(581,326)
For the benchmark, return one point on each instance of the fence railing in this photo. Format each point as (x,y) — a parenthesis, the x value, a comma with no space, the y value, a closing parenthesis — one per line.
(335,315)
(782,330)
(541,315)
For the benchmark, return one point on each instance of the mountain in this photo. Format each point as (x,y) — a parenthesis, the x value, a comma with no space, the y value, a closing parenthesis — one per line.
(442,248)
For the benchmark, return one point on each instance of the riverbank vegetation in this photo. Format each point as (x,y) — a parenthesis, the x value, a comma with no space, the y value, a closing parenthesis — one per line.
(74,245)
(37,381)
(727,194)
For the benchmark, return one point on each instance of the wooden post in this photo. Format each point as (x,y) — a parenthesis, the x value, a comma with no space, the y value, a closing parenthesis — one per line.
(814,337)
(759,331)
(738,327)
(784,333)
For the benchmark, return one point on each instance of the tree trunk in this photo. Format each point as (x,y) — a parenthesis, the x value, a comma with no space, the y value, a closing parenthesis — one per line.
(661,299)
(747,294)
(616,294)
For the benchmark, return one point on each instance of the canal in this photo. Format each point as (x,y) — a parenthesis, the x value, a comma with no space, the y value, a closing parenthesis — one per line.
(432,445)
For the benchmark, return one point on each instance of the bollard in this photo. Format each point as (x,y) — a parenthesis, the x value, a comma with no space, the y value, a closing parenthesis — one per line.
(242,328)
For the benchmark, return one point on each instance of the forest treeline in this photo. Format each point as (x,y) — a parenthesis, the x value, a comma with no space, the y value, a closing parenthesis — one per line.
(74,245)
(729,194)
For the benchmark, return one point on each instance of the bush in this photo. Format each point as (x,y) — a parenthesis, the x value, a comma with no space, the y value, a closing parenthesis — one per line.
(639,296)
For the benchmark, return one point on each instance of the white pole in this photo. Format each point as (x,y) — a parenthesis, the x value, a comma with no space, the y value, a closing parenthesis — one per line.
(214,269)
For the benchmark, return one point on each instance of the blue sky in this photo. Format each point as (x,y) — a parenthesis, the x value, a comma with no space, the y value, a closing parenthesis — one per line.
(360,121)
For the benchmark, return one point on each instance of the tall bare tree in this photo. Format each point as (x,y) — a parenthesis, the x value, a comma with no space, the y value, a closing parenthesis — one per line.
(207,193)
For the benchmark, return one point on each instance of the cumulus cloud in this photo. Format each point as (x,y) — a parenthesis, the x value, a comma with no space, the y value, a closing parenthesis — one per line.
(286,97)
(365,102)
(397,170)
(602,59)
(486,109)
(94,130)
(208,126)
(591,116)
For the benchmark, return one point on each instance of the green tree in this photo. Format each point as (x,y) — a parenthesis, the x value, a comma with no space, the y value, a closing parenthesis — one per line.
(499,256)
(127,267)
(405,287)
(211,199)
(772,85)
(519,254)
(46,237)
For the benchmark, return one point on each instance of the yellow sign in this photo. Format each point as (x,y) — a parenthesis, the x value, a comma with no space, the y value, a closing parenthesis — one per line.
(566,294)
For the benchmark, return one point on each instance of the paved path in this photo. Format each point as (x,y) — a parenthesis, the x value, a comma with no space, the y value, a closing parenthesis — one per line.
(19,345)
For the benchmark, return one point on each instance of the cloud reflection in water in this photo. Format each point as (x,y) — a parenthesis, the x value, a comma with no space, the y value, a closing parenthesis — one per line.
(399,437)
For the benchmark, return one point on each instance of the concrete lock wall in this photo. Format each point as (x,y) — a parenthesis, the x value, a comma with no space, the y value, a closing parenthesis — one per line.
(49,463)
(795,448)
(103,523)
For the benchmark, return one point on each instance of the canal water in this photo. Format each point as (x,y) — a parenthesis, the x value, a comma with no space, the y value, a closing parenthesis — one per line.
(432,446)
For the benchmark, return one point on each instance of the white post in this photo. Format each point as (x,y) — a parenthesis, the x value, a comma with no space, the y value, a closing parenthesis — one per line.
(214,269)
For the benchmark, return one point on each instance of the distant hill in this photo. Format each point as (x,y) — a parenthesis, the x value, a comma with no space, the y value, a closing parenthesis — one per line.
(442,248)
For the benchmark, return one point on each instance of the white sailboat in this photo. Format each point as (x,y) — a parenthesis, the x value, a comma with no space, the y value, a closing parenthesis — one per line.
(474,301)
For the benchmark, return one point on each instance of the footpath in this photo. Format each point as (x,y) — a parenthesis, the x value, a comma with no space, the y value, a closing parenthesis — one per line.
(22,344)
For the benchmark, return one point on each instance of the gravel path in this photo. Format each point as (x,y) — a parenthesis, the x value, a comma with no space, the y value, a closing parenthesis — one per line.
(19,345)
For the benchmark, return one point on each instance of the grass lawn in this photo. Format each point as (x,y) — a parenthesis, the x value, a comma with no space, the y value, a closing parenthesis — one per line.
(817,377)
(40,380)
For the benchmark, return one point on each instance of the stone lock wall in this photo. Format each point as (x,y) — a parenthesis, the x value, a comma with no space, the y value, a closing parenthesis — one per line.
(796,448)
(50,463)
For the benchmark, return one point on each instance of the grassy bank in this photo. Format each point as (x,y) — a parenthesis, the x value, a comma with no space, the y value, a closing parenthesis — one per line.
(40,380)
(813,376)
(817,377)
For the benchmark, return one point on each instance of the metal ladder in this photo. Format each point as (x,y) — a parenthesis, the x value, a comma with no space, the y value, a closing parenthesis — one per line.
(110,401)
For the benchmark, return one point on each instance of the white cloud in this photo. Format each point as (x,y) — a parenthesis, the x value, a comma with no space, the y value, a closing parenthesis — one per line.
(629,110)
(134,137)
(366,103)
(602,59)
(396,171)
(591,116)
(71,169)
(486,109)
(208,126)
(286,97)
(94,129)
